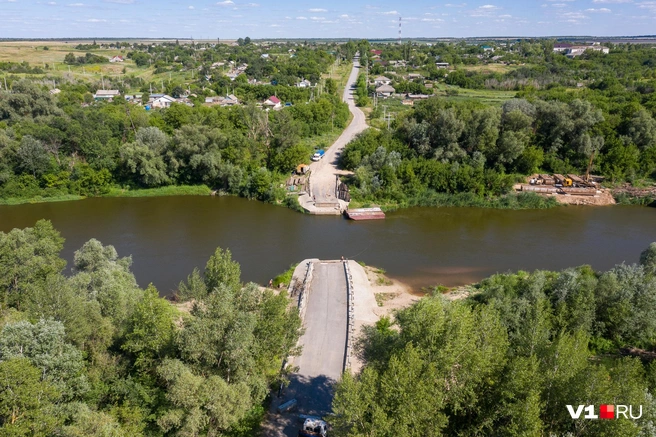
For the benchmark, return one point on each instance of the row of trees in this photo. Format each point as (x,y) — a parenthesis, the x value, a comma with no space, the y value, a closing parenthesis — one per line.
(93,354)
(88,58)
(452,147)
(509,359)
(51,146)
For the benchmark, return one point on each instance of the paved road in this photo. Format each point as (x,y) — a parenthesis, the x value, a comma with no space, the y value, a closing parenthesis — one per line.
(324,341)
(322,181)
(324,346)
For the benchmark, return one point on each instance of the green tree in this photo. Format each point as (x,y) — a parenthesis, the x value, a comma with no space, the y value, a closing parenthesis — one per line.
(43,343)
(26,402)
(151,330)
(28,257)
(32,156)
(221,270)
(648,259)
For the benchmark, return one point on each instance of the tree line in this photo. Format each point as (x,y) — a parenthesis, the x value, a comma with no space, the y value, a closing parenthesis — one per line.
(87,352)
(53,145)
(443,146)
(510,358)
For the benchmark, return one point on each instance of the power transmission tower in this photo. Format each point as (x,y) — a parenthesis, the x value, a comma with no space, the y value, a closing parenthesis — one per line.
(399,30)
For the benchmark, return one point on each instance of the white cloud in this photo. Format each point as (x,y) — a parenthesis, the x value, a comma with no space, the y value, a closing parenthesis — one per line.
(75,5)
(317,10)
(225,3)
(96,20)
(317,18)
(190,7)
(612,1)
(488,7)
(52,3)
(121,2)
(651,5)
(598,10)
(344,16)
(451,5)
(301,18)
(390,13)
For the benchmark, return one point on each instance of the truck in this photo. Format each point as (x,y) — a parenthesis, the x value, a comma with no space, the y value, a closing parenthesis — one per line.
(318,155)
(313,427)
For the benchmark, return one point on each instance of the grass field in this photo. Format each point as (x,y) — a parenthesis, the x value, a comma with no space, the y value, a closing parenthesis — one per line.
(489,68)
(52,61)
(490,97)
(173,190)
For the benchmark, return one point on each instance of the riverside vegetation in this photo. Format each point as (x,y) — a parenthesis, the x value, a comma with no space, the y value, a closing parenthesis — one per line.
(90,353)
(63,146)
(449,150)
(507,360)
(454,149)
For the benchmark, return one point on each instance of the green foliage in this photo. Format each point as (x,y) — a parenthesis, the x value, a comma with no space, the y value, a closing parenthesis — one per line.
(26,402)
(222,270)
(507,360)
(28,257)
(285,277)
(94,355)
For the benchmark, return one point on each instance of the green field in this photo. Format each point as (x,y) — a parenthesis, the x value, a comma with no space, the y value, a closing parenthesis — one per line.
(52,61)
(490,97)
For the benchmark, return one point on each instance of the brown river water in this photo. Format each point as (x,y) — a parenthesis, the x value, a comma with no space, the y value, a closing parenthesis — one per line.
(169,236)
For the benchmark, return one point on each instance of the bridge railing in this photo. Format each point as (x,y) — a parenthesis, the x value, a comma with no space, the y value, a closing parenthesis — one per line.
(350,328)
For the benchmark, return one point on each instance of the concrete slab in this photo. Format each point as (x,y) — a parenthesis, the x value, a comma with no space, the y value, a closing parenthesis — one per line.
(324,340)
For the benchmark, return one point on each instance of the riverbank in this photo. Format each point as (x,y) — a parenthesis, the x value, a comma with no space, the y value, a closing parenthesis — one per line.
(433,199)
(172,190)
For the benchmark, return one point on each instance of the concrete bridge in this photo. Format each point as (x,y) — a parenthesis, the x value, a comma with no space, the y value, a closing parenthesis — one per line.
(333,298)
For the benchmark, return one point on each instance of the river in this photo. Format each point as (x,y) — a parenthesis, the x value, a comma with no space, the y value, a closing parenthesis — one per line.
(169,236)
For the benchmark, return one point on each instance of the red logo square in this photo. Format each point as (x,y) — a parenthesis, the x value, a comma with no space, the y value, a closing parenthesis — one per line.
(607,411)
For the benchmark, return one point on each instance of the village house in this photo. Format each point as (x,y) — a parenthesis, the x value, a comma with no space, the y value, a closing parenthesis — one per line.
(55,91)
(304,84)
(579,50)
(442,64)
(385,90)
(106,94)
(413,76)
(229,100)
(382,80)
(561,47)
(272,102)
(116,59)
(162,102)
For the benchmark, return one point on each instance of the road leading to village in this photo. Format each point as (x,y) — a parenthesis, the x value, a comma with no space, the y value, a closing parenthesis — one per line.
(324,172)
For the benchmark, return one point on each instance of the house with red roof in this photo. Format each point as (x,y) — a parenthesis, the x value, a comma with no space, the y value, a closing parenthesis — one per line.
(273,102)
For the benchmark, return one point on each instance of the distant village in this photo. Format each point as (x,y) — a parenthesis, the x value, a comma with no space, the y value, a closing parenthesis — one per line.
(400,77)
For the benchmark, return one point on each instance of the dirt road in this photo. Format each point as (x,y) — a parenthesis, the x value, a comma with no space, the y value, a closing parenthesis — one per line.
(324,172)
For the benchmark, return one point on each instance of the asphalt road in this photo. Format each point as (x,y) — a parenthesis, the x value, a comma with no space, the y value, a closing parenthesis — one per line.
(324,341)
(324,171)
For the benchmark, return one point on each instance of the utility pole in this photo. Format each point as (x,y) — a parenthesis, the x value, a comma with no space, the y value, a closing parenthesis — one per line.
(102,79)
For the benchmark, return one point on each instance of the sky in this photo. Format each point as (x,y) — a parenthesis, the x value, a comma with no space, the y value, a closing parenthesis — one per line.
(230,19)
